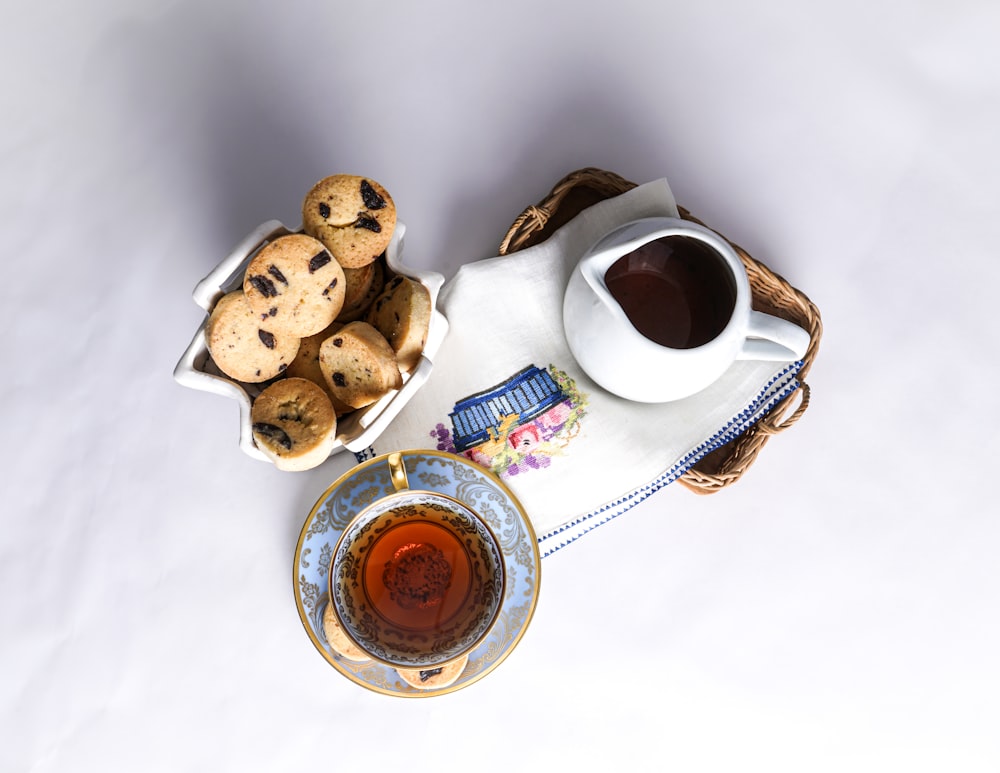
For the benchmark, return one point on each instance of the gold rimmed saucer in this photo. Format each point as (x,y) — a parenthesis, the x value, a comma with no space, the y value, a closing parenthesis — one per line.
(442,473)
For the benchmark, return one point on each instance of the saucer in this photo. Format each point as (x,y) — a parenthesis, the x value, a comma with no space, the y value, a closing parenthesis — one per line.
(442,473)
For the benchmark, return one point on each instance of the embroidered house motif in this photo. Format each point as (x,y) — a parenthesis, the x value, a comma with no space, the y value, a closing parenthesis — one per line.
(518,425)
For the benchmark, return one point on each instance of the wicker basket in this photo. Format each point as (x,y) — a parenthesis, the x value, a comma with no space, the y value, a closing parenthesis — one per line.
(771,294)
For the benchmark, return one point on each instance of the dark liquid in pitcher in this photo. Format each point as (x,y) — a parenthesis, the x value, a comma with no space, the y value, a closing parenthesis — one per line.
(676,291)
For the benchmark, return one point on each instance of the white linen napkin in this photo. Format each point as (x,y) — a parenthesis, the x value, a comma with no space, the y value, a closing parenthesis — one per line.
(575,455)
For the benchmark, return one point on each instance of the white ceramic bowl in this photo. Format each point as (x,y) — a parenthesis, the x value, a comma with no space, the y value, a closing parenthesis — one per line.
(355,431)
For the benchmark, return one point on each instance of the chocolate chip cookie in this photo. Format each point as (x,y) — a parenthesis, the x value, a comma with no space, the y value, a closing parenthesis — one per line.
(359,365)
(294,424)
(295,285)
(434,678)
(402,313)
(353,216)
(244,346)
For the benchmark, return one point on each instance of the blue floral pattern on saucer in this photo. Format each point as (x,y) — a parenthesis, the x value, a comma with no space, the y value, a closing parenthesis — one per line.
(434,471)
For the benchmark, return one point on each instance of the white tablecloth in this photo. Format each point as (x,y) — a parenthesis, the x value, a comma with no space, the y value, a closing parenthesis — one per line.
(835,610)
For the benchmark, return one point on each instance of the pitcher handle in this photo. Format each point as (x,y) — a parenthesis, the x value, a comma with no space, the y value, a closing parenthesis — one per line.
(773,339)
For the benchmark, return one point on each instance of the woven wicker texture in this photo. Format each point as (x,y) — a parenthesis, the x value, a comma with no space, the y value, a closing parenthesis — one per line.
(771,294)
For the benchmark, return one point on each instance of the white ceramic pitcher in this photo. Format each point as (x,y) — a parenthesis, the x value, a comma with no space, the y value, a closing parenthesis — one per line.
(617,356)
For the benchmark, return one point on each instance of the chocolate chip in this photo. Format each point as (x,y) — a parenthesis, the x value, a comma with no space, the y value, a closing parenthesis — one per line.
(272,311)
(370,196)
(266,338)
(282,367)
(339,380)
(367,222)
(274,271)
(324,210)
(396,282)
(273,433)
(338,342)
(264,286)
(425,675)
(317,261)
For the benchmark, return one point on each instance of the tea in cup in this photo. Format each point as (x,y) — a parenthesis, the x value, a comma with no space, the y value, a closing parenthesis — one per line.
(660,308)
(417,578)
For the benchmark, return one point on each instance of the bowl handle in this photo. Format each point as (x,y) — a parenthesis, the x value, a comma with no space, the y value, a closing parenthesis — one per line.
(208,291)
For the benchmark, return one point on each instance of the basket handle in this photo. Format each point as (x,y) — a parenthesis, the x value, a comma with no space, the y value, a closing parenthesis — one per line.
(776,421)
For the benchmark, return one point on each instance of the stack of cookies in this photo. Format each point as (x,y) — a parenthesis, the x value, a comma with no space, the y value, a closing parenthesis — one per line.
(319,316)
(420,678)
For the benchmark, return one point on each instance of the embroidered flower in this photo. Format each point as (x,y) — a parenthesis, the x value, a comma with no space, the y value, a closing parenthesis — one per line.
(555,416)
(482,459)
(443,437)
(525,438)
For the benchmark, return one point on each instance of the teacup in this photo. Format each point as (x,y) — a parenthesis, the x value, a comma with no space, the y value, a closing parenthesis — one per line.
(417,578)
(660,308)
